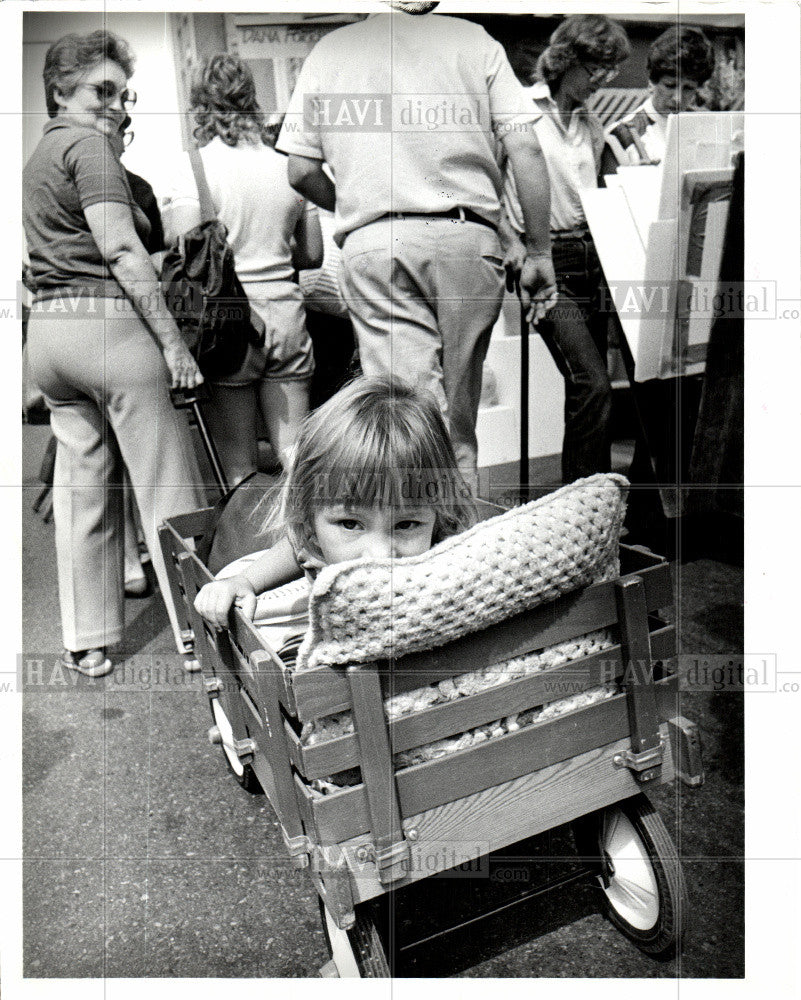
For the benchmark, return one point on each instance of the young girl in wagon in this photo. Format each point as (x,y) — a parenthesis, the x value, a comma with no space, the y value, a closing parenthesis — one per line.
(373,476)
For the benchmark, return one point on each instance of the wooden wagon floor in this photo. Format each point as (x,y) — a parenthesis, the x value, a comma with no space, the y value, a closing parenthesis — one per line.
(142,857)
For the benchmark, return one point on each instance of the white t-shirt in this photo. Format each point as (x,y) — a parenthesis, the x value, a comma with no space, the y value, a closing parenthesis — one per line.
(405,109)
(253,199)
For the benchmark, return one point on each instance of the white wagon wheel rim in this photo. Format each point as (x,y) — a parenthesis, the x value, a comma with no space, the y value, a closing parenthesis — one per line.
(227,737)
(632,888)
(341,949)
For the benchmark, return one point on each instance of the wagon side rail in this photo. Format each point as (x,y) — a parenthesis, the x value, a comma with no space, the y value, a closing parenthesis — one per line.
(177,535)
(442,721)
(247,675)
(325,691)
(385,797)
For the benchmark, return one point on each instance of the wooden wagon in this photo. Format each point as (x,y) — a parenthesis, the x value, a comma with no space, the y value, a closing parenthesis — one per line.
(398,825)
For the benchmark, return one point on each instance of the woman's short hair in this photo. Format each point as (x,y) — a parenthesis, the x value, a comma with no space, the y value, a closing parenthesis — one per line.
(71,56)
(583,38)
(224,103)
(684,52)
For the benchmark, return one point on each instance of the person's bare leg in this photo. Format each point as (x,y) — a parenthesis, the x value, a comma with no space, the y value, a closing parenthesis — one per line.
(231,417)
(284,405)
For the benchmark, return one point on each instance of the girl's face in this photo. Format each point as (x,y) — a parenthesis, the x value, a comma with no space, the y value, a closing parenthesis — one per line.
(374,532)
(97,100)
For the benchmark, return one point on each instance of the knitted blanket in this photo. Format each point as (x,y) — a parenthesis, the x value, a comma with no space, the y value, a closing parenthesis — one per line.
(378,609)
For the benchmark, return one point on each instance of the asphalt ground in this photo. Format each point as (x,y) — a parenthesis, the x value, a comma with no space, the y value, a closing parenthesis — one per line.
(144,858)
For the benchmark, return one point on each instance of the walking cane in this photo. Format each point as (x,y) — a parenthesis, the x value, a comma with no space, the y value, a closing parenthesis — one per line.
(190,399)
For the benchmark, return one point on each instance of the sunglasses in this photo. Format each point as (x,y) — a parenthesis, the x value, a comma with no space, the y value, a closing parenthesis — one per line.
(107,92)
(599,74)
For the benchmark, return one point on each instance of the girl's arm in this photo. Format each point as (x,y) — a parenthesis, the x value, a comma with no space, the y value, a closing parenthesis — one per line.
(112,227)
(277,566)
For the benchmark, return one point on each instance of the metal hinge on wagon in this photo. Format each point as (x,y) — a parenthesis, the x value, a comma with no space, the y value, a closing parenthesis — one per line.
(644,763)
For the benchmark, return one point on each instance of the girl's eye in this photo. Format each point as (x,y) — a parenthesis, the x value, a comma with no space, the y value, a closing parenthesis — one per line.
(348,523)
(407,525)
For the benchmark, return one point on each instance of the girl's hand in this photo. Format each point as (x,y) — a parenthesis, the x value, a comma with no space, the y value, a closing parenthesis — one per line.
(183,367)
(215,600)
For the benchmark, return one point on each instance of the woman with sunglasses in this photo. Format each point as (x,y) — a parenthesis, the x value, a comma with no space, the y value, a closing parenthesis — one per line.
(102,346)
(582,55)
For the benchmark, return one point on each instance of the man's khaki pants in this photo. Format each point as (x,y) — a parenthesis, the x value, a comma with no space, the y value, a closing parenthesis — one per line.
(424,294)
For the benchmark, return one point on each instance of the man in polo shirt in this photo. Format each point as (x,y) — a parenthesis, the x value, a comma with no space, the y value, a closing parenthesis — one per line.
(405,110)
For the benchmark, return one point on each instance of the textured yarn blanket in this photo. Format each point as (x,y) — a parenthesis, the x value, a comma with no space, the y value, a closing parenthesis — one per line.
(379,609)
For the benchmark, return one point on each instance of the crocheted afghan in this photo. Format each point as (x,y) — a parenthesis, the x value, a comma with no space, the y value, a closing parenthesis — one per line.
(377,609)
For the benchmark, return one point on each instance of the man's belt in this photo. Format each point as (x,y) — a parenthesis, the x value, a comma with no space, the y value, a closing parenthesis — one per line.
(465,214)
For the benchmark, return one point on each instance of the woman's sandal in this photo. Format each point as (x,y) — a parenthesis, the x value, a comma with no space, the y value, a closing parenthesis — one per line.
(91,662)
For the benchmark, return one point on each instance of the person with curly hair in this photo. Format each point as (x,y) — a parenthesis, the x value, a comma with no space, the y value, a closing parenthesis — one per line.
(272,233)
(101,346)
(680,61)
(582,54)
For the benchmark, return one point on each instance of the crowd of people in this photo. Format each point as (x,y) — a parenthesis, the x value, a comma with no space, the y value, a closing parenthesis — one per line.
(426,227)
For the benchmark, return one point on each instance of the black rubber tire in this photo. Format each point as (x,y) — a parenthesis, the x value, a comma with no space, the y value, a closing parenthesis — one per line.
(365,942)
(663,939)
(247,779)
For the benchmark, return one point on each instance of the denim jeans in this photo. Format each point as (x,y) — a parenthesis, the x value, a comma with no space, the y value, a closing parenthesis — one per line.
(575,334)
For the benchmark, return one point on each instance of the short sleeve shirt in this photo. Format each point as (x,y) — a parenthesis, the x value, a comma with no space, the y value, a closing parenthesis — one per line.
(572,156)
(406,111)
(252,197)
(72,168)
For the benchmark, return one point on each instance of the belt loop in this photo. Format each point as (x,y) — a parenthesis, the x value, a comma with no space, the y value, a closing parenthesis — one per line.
(461,212)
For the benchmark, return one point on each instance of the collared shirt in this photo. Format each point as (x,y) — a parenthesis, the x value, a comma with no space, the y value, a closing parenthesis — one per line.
(572,155)
(405,109)
(642,131)
(72,168)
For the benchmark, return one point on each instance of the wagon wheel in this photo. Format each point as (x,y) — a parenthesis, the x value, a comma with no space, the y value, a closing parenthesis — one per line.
(641,875)
(242,771)
(358,953)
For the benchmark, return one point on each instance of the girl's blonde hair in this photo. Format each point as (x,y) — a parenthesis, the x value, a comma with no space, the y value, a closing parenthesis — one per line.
(378,441)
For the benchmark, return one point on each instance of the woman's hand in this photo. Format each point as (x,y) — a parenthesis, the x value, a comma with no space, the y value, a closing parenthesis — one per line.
(183,367)
(215,600)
